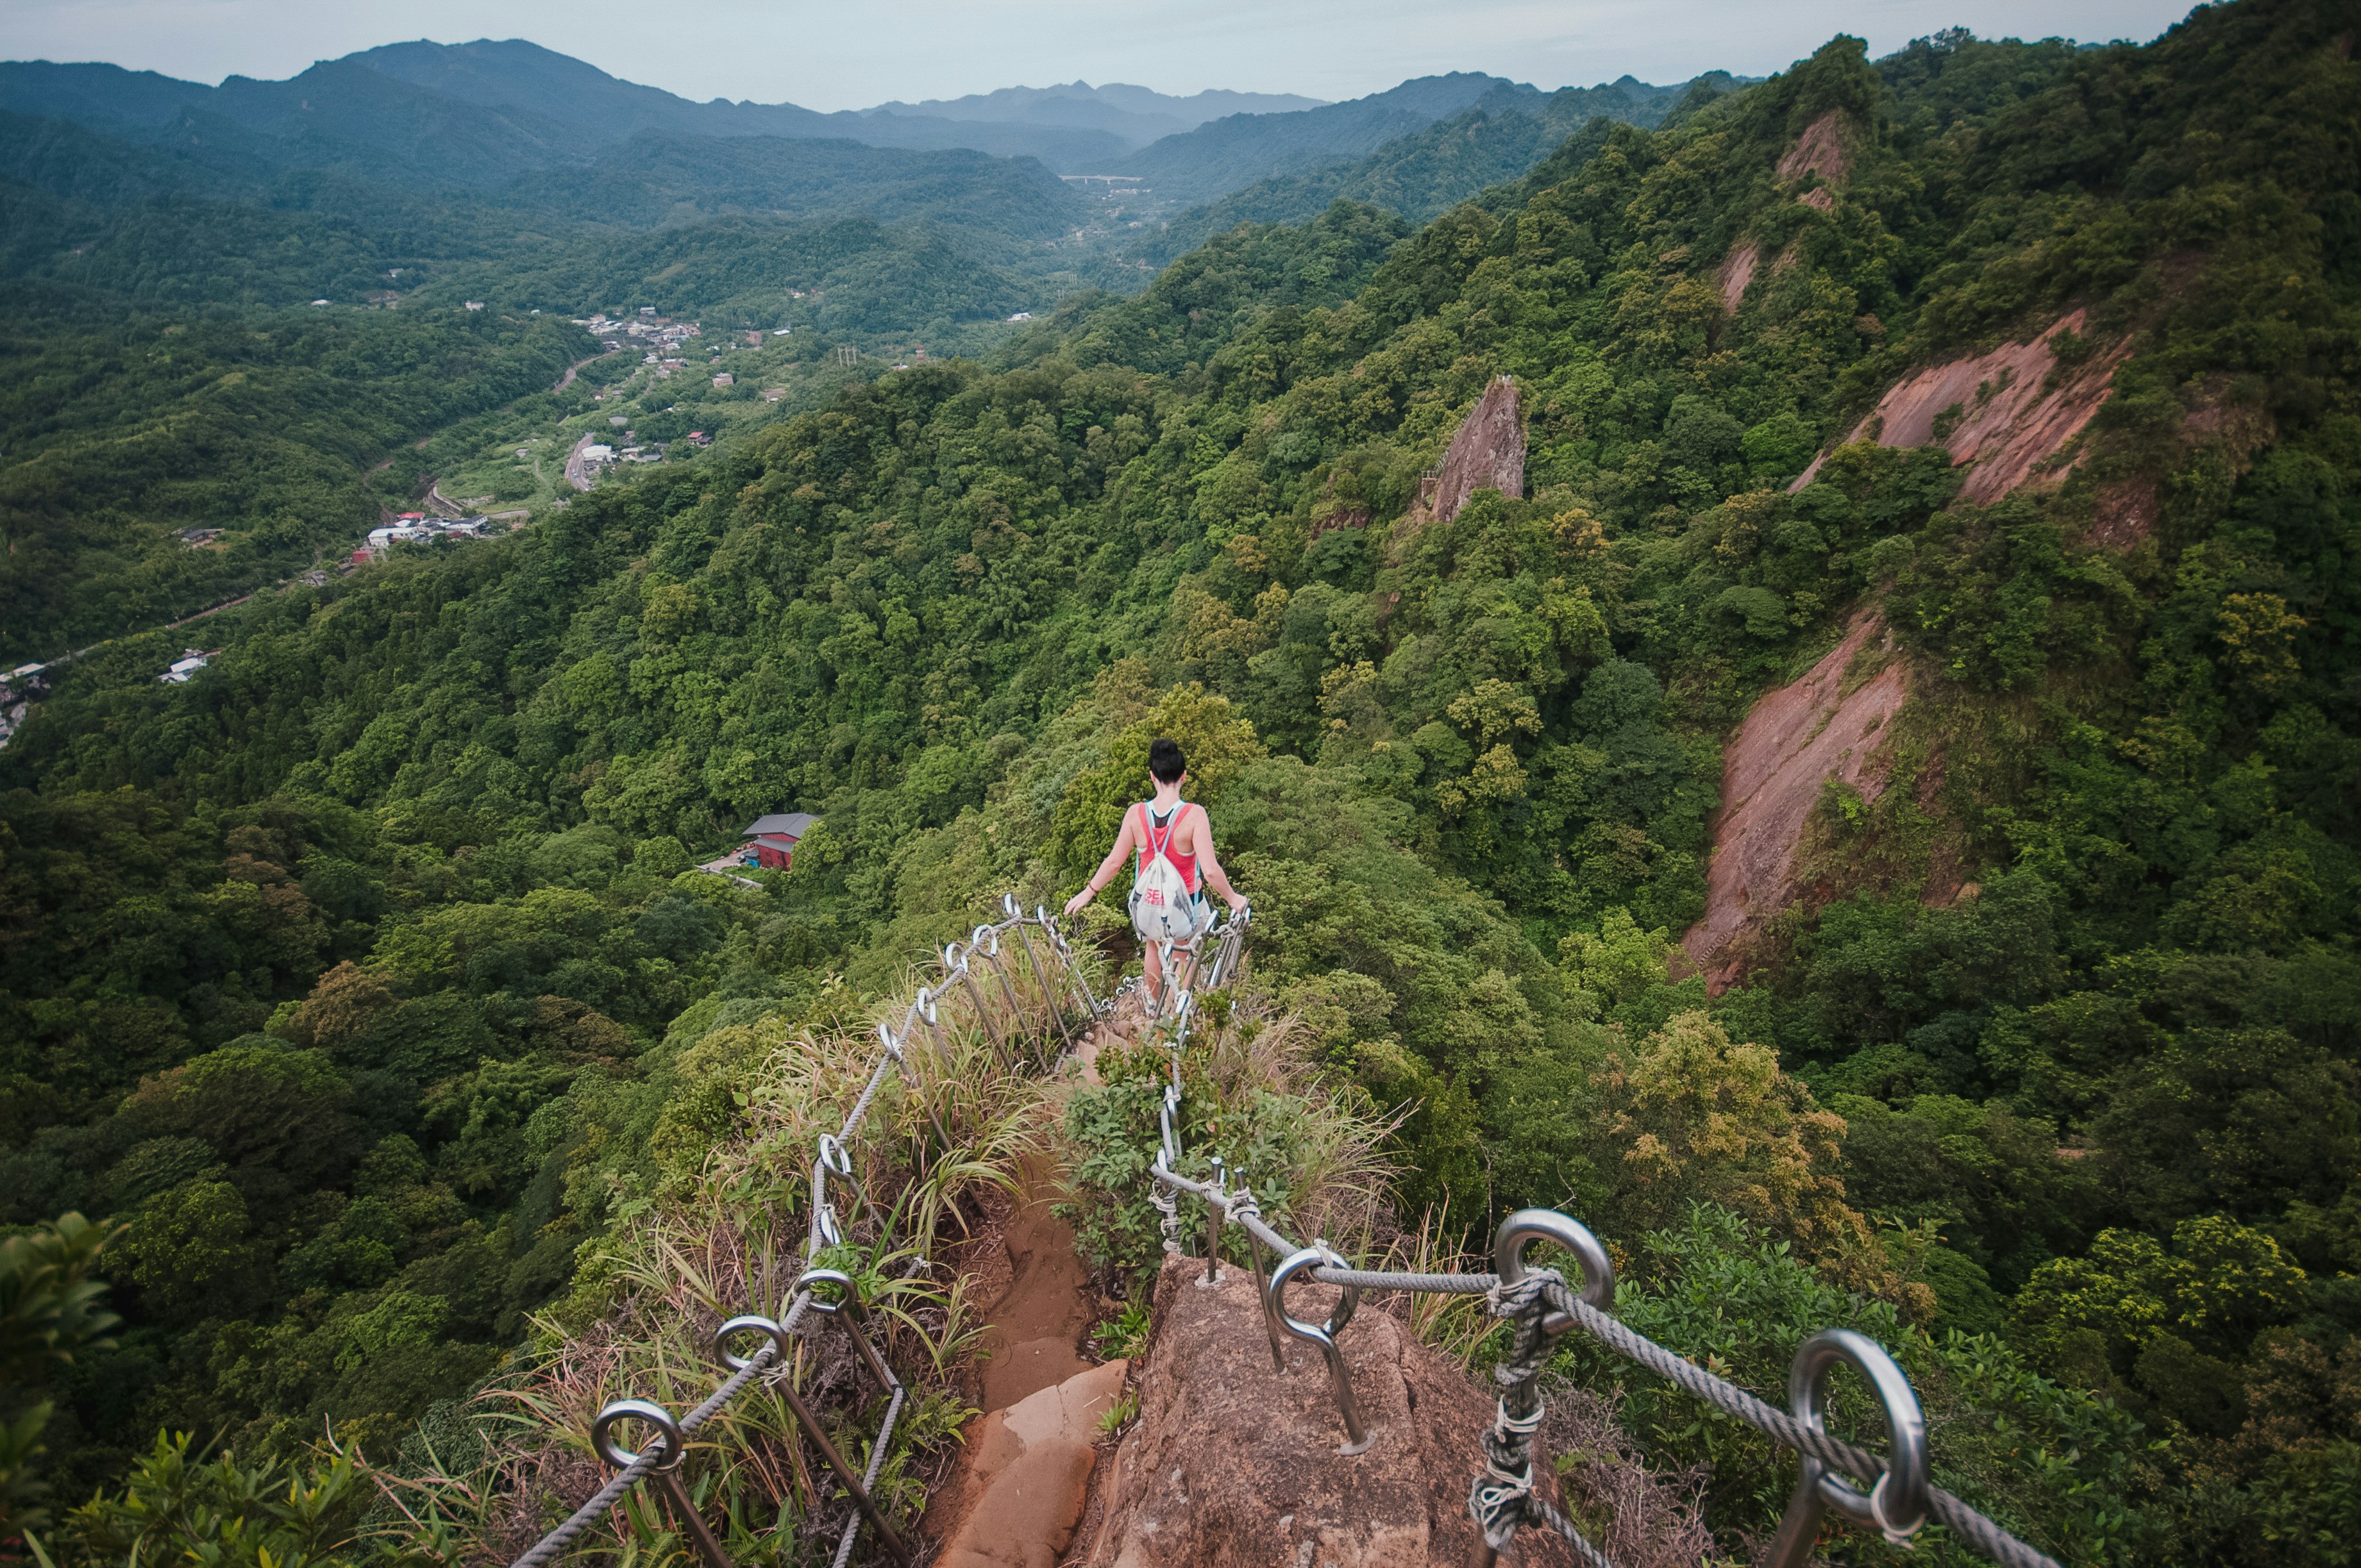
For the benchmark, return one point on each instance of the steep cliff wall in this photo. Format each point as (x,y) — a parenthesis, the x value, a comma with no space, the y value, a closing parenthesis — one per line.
(1488,453)
(1997,411)
(1793,742)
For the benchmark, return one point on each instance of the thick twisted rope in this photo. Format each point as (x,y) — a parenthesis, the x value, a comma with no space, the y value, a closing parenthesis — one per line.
(547,1548)
(551,1546)
(1978,1531)
(1972,1526)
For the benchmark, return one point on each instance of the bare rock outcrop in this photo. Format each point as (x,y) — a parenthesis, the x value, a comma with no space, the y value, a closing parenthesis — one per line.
(1488,453)
(1998,410)
(1794,742)
(1819,150)
(1738,273)
(1027,1474)
(1232,1464)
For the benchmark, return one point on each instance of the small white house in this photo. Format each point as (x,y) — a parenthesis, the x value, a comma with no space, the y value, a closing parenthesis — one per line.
(725,379)
(598,452)
(474,304)
(190,660)
(1022,316)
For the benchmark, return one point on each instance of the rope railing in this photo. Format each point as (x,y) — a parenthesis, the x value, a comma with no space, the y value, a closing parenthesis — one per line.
(1541,1308)
(964,971)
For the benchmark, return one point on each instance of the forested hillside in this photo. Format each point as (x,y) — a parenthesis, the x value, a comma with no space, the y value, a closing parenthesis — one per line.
(364,979)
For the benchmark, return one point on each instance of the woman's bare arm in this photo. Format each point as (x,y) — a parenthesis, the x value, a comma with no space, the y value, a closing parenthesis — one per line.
(1108,868)
(1211,865)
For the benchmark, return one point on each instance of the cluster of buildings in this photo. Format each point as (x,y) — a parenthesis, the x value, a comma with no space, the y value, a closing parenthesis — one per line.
(601,455)
(415,525)
(646,327)
(192,660)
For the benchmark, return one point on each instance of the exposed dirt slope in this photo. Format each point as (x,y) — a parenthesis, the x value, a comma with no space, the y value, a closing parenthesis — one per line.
(1795,740)
(1488,453)
(1738,272)
(1819,150)
(2006,423)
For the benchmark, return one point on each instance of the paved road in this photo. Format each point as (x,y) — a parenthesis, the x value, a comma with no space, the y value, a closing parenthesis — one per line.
(575,475)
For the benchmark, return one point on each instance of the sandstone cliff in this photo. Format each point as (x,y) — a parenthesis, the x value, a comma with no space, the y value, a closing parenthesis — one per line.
(1489,453)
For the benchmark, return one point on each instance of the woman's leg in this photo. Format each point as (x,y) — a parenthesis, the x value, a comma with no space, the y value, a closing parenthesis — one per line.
(1152,968)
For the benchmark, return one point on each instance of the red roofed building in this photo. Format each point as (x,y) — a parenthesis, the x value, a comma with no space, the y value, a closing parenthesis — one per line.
(774,837)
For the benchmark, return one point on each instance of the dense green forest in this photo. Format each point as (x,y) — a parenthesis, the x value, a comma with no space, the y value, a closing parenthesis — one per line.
(363,980)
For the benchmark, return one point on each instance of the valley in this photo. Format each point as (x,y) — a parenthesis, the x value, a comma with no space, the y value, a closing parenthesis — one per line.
(1776,657)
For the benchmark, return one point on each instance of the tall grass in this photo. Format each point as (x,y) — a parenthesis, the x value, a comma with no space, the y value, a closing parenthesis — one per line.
(729,1236)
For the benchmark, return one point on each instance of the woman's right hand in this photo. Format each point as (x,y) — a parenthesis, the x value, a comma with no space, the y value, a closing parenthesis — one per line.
(1075,904)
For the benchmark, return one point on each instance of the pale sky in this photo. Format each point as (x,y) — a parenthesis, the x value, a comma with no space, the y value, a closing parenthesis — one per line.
(842,54)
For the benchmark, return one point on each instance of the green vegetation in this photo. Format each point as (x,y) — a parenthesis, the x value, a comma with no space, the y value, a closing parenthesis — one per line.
(363,977)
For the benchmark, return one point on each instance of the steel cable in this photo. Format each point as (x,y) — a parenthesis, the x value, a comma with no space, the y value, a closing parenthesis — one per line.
(548,1549)
(1977,1529)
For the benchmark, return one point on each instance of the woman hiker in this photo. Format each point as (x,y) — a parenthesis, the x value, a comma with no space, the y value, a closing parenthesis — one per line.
(1173,842)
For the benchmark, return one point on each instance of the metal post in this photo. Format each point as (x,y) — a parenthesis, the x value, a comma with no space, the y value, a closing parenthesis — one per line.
(975,994)
(1897,1506)
(1243,1207)
(858,1311)
(1214,1204)
(1357,1436)
(1015,1011)
(811,1424)
(1041,978)
(667,1473)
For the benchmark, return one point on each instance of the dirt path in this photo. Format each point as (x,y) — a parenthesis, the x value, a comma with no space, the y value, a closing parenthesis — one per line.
(1037,1326)
(576,369)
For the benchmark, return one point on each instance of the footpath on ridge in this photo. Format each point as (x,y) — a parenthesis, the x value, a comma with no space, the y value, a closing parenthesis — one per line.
(1225,1463)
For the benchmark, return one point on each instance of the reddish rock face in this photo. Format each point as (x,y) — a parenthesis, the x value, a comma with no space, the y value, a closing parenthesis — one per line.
(1793,740)
(1819,150)
(1027,1474)
(1233,1465)
(2008,417)
(1488,453)
(1738,272)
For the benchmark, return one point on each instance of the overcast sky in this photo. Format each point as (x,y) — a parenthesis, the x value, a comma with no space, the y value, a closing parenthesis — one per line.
(842,54)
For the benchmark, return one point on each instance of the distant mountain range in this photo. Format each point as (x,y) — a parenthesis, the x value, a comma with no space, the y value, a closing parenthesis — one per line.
(1137,115)
(454,152)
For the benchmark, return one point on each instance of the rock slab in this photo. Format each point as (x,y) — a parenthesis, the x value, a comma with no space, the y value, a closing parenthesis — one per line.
(1488,453)
(1231,1463)
(1027,1474)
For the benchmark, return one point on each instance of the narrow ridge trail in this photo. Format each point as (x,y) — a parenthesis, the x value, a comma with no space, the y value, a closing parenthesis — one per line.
(1023,1479)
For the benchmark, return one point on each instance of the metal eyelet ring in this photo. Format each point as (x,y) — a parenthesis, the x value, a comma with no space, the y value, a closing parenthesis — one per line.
(1897,1506)
(1009,907)
(602,1441)
(835,1276)
(984,939)
(750,1324)
(1548,1224)
(1348,1299)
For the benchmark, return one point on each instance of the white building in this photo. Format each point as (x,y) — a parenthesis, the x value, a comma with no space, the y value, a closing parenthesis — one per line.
(190,660)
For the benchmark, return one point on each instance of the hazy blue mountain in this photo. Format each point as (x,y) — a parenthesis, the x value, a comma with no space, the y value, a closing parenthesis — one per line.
(1227,154)
(1137,115)
(1498,138)
(477,110)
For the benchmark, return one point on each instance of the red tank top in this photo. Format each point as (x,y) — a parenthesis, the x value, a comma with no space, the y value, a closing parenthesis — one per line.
(1157,841)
